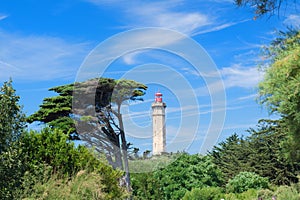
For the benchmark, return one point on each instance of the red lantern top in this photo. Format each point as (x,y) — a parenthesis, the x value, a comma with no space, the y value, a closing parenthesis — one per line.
(158,97)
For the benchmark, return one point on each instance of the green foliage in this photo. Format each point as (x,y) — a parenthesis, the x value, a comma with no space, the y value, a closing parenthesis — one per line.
(85,111)
(280,193)
(52,147)
(245,181)
(285,192)
(56,111)
(264,7)
(18,173)
(185,173)
(145,186)
(36,156)
(152,163)
(85,185)
(206,193)
(280,89)
(267,153)
(174,180)
(127,90)
(250,194)
(230,156)
(12,123)
(12,120)
(12,167)
(265,194)
(261,152)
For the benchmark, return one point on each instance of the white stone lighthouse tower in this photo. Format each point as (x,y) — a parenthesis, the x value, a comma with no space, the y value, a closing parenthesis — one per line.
(159,127)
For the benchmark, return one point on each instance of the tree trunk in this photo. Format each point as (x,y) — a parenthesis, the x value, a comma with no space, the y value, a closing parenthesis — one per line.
(118,156)
(116,148)
(124,152)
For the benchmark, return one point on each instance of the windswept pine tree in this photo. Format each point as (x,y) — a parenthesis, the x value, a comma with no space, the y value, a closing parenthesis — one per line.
(91,111)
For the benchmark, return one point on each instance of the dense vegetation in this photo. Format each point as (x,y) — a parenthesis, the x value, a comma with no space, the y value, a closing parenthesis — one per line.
(39,164)
(48,165)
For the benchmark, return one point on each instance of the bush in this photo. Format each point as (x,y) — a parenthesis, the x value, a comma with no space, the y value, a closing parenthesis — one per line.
(285,192)
(173,181)
(250,194)
(206,193)
(39,157)
(265,194)
(245,181)
(11,171)
(85,185)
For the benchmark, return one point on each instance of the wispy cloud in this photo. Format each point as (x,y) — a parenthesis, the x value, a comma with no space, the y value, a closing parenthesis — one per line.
(158,14)
(169,14)
(292,20)
(233,76)
(3,16)
(129,59)
(39,57)
(248,97)
(185,17)
(163,14)
(239,76)
(218,27)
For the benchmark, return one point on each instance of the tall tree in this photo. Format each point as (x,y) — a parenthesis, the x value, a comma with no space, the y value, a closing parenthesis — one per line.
(230,155)
(280,88)
(267,153)
(12,119)
(123,91)
(262,152)
(96,115)
(12,124)
(106,115)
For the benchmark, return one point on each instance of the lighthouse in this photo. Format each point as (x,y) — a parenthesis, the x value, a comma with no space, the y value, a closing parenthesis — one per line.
(159,127)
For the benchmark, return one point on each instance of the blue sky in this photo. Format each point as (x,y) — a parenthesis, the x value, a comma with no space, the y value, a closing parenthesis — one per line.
(48,43)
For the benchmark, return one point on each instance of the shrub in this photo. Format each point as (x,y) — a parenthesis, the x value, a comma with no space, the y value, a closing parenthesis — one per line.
(250,194)
(39,159)
(285,192)
(206,193)
(265,194)
(85,185)
(174,180)
(245,181)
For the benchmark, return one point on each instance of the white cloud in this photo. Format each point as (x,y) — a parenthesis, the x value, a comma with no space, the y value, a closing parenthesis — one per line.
(234,76)
(293,20)
(248,97)
(129,59)
(3,16)
(39,57)
(218,27)
(176,15)
(238,76)
(161,15)
(169,14)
